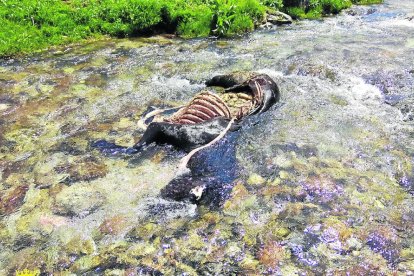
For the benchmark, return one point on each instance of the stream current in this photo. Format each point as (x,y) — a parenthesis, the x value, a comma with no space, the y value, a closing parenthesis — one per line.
(324,181)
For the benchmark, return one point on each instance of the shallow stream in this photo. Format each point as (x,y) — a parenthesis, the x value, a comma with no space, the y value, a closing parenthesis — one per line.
(325,179)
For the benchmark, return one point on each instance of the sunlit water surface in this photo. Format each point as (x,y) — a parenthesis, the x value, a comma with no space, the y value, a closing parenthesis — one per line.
(324,180)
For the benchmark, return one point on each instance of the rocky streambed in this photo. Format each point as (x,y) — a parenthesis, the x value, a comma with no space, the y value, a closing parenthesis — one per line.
(324,181)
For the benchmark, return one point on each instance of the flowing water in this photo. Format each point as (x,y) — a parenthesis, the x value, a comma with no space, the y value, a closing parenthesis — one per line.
(324,181)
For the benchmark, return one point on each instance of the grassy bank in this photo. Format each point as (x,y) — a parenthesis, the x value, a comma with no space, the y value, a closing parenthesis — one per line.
(315,9)
(30,25)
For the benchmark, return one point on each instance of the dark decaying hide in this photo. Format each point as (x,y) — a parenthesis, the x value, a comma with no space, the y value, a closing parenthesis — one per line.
(212,170)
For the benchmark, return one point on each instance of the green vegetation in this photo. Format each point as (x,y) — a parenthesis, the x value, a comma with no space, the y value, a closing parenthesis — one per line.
(314,9)
(367,2)
(30,25)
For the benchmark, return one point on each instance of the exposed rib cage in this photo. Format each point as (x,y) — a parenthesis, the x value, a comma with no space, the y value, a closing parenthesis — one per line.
(231,105)
(204,107)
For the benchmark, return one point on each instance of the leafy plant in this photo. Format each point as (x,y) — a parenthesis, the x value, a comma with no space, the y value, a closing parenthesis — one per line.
(275,4)
(29,25)
(234,17)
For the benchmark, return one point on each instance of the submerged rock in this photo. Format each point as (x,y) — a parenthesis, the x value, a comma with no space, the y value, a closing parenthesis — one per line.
(165,210)
(11,200)
(385,241)
(272,253)
(278,18)
(84,169)
(78,200)
(322,189)
(113,225)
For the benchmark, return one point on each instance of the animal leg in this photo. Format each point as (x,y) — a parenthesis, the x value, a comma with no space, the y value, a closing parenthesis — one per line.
(153,131)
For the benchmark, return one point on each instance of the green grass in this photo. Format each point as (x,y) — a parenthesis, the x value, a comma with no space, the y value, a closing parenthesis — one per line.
(367,2)
(31,25)
(315,9)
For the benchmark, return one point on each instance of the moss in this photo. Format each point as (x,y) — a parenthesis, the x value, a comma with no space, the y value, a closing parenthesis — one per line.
(113,225)
(343,230)
(407,253)
(250,265)
(78,246)
(241,200)
(271,254)
(85,263)
(338,100)
(28,258)
(145,231)
(195,241)
(142,249)
(255,179)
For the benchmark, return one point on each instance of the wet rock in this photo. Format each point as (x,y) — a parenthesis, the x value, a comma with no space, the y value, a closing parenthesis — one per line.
(406,268)
(407,181)
(85,169)
(249,265)
(8,168)
(144,270)
(393,100)
(113,225)
(86,264)
(278,18)
(34,227)
(338,100)
(28,258)
(148,231)
(44,171)
(255,179)
(298,214)
(353,244)
(200,190)
(78,200)
(322,188)
(5,235)
(230,79)
(115,255)
(98,80)
(360,11)
(385,82)
(48,223)
(271,254)
(71,147)
(240,200)
(23,241)
(165,210)
(408,219)
(368,265)
(74,60)
(408,112)
(384,241)
(301,248)
(407,253)
(13,199)
(317,70)
(79,246)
